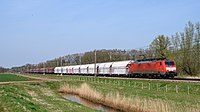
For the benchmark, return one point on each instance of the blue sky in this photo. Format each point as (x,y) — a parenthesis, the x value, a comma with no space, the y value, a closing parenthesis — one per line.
(33,31)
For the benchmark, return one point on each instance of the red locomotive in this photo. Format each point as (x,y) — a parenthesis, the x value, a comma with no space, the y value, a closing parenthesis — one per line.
(153,68)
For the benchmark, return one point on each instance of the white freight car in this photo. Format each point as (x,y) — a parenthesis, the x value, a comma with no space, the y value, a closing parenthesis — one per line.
(105,69)
(120,68)
(84,69)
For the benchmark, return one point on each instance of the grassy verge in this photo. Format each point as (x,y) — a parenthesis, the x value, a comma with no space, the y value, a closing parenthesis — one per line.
(182,94)
(12,77)
(152,92)
(36,97)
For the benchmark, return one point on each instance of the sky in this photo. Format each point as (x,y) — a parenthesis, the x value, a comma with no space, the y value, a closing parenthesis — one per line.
(33,31)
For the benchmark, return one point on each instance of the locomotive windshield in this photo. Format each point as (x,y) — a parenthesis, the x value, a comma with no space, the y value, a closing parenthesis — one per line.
(169,63)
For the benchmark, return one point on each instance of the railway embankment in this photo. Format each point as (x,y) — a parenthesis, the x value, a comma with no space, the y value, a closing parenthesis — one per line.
(140,95)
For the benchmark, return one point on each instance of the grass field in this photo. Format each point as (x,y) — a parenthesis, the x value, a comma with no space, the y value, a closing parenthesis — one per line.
(35,97)
(12,77)
(182,94)
(44,96)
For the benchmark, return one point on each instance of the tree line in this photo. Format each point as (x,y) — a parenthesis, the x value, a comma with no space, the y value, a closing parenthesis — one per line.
(183,47)
(3,70)
(186,49)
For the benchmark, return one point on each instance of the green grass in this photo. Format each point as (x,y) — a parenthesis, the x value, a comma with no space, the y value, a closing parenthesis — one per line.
(44,96)
(176,91)
(36,97)
(12,77)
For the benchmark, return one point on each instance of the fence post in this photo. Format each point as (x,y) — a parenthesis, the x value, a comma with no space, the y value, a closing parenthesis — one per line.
(142,86)
(176,89)
(157,86)
(188,89)
(149,86)
(135,85)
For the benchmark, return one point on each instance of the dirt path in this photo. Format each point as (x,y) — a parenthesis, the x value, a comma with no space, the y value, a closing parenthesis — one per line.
(37,79)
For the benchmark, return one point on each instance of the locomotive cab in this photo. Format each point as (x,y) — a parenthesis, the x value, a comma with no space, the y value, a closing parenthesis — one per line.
(170,68)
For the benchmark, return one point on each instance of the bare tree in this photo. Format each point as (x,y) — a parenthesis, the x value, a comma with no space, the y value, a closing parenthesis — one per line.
(160,45)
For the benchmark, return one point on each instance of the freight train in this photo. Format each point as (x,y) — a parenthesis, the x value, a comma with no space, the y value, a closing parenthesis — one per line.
(151,68)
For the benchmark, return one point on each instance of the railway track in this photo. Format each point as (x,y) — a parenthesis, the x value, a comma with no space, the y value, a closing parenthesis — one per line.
(189,80)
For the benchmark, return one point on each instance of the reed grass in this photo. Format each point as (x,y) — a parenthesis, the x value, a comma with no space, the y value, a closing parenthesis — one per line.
(122,103)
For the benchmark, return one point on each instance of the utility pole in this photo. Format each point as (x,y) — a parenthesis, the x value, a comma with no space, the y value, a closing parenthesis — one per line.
(110,56)
(80,60)
(57,61)
(95,61)
(61,65)
(26,71)
(44,68)
(57,65)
